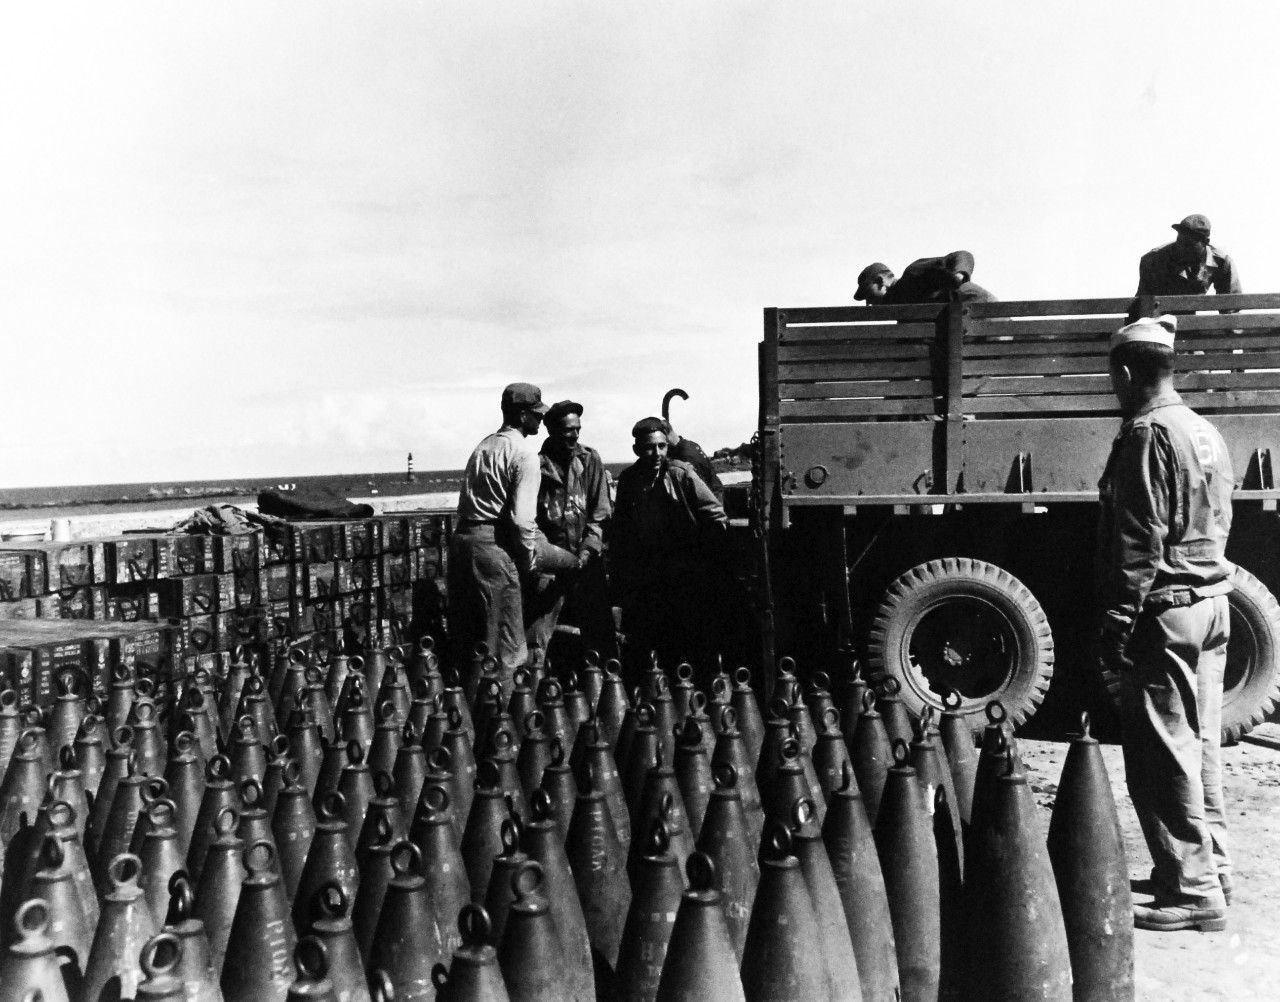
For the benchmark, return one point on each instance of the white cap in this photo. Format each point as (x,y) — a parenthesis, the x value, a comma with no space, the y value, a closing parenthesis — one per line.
(1155,330)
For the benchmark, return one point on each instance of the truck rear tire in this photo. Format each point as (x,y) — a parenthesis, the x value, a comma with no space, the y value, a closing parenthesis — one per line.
(965,625)
(1251,686)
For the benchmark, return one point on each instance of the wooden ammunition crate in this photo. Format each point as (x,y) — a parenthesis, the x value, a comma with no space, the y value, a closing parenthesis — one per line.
(395,601)
(320,580)
(315,617)
(22,608)
(395,533)
(85,602)
(429,563)
(199,595)
(137,558)
(396,569)
(215,663)
(278,583)
(237,554)
(302,542)
(38,568)
(209,634)
(192,554)
(359,574)
(428,530)
(251,626)
(359,539)
(133,603)
(20,577)
(32,652)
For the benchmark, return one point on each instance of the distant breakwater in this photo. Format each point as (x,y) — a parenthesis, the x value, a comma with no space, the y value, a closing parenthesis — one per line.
(21,499)
(347,485)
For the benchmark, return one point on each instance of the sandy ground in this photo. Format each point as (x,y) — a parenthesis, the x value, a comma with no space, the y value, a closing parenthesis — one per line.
(1243,962)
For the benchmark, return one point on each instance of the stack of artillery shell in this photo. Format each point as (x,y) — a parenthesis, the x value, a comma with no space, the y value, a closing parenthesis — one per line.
(315,826)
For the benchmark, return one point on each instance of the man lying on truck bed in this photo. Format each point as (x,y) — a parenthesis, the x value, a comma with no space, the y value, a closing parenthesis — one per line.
(926,280)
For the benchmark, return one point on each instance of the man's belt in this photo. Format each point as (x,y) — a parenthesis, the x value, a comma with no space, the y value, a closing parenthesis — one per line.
(1180,598)
(467,524)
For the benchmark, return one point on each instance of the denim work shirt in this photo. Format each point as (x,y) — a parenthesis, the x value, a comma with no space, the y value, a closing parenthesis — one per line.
(573,500)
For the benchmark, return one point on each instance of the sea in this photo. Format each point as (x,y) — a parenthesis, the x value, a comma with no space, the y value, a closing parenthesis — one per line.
(97,499)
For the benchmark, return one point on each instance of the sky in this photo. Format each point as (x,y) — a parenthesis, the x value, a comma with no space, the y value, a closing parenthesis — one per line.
(269,238)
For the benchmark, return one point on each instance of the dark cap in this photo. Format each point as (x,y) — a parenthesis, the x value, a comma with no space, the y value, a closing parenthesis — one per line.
(562,409)
(647,426)
(524,395)
(959,261)
(867,274)
(1196,225)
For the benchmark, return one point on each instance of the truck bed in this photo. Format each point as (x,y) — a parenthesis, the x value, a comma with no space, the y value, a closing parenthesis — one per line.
(1006,402)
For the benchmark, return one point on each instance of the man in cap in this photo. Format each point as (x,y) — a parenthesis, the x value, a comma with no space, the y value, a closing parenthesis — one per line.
(874,282)
(1189,266)
(665,541)
(1163,583)
(573,505)
(688,451)
(938,280)
(496,543)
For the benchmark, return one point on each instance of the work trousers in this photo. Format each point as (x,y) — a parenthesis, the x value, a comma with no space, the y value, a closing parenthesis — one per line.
(557,568)
(1171,711)
(582,596)
(672,610)
(484,599)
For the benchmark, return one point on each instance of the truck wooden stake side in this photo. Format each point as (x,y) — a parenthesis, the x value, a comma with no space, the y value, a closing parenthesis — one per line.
(927,482)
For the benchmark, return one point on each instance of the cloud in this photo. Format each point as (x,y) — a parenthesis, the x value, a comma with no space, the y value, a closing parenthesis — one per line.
(308,237)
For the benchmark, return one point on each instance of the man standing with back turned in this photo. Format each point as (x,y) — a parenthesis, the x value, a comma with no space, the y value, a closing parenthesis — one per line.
(1163,584)
(495,545)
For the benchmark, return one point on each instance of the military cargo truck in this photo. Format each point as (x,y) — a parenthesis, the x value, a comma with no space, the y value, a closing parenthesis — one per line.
(927,483)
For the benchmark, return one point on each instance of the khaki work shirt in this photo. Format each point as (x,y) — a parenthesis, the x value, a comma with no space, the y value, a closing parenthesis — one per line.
(500,485)
(1160,273)
(1166,512)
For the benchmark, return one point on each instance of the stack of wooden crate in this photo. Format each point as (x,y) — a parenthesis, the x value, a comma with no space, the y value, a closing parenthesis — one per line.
(348,584)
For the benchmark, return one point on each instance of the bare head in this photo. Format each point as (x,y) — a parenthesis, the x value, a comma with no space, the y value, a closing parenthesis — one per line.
(650,441)
(651,449)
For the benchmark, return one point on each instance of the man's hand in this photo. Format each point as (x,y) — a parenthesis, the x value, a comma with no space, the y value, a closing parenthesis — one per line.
(537,584)
(585,558)
(1112,659)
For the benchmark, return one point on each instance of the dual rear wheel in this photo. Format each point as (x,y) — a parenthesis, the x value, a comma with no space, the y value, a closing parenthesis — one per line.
(970,626)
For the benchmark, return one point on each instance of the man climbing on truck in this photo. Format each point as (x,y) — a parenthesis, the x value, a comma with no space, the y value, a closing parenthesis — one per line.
(1189,266)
